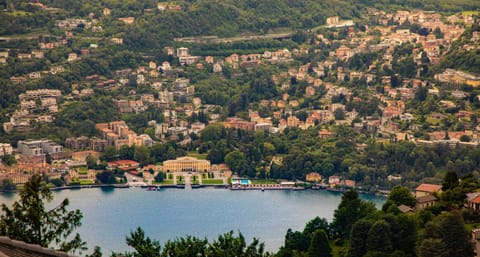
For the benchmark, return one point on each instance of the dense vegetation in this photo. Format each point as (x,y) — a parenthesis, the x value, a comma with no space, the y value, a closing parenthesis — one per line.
(30,221)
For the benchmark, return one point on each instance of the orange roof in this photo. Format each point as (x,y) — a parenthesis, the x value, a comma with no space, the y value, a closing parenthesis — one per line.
(428,188)
(475,200)
(122,162)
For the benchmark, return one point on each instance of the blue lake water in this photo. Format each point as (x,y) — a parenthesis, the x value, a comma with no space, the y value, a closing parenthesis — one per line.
(110,214)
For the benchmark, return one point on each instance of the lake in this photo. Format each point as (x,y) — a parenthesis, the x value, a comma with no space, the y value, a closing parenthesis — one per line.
(110,214)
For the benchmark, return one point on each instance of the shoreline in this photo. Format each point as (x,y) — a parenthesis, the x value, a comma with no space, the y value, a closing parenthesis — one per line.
(216,186)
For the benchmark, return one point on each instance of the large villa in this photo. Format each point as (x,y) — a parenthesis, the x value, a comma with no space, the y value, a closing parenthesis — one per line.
(186,164)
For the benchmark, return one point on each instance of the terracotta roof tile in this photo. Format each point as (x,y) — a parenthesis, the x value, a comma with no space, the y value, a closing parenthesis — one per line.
(430,188)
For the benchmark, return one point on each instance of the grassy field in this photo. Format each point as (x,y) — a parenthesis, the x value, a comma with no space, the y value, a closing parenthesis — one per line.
(82,170)
(471,12)
(200,156)
(18,13)
(165,182)
(212,181)
(264,182)
(433,121)
(86,182)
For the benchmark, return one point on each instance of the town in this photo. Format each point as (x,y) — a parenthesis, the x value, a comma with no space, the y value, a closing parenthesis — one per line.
(322,96)
(381,100)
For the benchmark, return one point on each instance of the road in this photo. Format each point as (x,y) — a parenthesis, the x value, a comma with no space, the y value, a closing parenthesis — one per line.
(134,181)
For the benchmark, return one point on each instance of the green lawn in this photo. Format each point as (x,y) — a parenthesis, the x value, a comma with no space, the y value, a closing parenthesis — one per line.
(212,181)
(471,12)
(18,13)
(433,121)
(264,182)
(200,156)
(86,182)
(165,182)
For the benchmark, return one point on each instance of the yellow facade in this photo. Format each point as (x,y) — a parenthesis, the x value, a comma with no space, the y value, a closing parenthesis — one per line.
(186,164)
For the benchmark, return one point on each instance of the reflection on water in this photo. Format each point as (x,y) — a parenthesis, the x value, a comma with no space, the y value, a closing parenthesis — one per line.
(107,190)
(8,195)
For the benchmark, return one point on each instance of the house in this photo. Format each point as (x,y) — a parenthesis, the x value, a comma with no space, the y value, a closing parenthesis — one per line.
(333,181)
(127,20)
(427,189)
(182,52)
(313,177)
(332,21)
(13,248)
(476,241)
(116,40)
(473,201)
(5,149)
(425,201)
(405,209)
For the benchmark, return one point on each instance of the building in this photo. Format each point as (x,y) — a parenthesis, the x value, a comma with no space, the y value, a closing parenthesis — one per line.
(332,21)
(427,189)
(186,164)
(182,52)
(39,147)
(79,143)
(405,209)
(125,165)
(425,201)
(313,177)
(14,248)
(334,180)
(5,149)
(473,201)
(127,20)
(457,77)
(237,123)
(82,156)
(39,94)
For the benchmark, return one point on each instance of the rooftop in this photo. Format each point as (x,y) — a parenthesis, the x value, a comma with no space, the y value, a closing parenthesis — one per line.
(14,248)
(428,188)
(426,199)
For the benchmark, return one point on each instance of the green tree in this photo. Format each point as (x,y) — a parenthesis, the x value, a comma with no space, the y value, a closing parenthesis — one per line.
(142,155)
(339,114)
(432,247)
(185,247)
(379,238)
(449,234)
(450,181)
(350,209)
(9,160)
(235,160)
(316,224)
(229,245)
(28,220)
(160,177)
(319,246)
(110,154)
(358,239)
(401,195)
(97,252)
(143,245)
(91,161)
(106,177)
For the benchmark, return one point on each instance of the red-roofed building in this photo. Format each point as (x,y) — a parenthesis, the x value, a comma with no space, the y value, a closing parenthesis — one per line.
(427,189)
(473,201)
(125,165)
